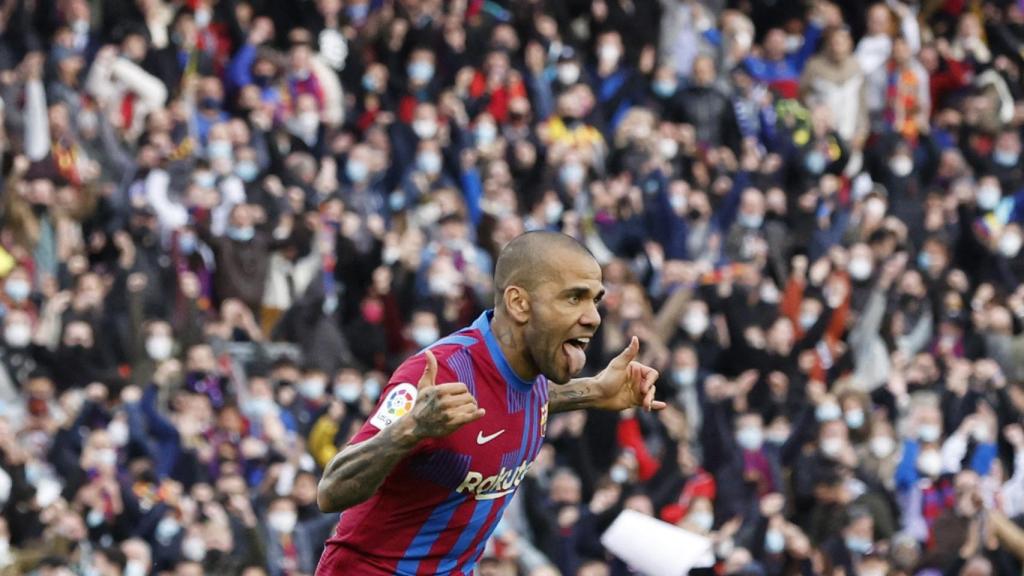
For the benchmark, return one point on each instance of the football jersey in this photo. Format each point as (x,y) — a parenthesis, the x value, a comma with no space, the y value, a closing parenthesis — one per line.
(436,509)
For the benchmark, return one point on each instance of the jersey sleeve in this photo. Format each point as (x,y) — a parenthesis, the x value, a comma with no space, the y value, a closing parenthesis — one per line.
(397,398)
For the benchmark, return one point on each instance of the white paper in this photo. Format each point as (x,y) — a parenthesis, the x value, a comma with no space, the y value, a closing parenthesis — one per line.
(653,547)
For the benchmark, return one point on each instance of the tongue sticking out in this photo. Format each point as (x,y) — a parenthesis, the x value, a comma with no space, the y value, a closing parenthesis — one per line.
(576,357)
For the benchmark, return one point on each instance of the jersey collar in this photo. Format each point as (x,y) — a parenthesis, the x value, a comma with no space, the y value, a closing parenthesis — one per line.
(483,324)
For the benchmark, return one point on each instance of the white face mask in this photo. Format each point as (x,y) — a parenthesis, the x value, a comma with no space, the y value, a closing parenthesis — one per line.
(118,432)
(259,407)
(18,289)
(854,419)
(774,542)
(695,323)
(424,129)
(17,335)
(831,446)
(347,393)
(807,319)
(134,568)
(166,529)
(486,133)
(828,412)
(618,474)
(701,520)
(1009,245)
(203,17)
(308,122)
(668,148)
(769,293)
(685,376)
(424,335)
(882,446)
(106,458)
(371,389)
(750,438)
(988,197)
(429,162)
(678,203)
(901,165)
(860,269)
(608,54)
(553,212)
(312,388)
(568,74)
(194,549)
(572,174)
(282,522)
(159,347)
(929,433)
(930,463)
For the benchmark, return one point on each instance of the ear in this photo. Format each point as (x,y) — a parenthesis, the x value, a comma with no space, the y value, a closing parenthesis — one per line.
(517,303)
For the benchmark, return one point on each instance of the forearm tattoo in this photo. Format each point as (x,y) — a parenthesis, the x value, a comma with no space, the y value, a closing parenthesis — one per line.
(355,473)
(575,395)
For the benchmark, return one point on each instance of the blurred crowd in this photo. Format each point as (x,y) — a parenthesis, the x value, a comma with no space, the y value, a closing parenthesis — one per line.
(223,223)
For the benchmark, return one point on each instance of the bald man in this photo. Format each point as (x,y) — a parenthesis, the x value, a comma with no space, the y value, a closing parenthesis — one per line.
(425,481)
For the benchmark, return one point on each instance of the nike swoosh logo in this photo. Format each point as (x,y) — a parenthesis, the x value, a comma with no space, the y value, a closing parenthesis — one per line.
(481,439)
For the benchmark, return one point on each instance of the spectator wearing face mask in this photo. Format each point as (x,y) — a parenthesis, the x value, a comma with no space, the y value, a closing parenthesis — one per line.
(615,84)
(707,109)
(242,256)
(288,544)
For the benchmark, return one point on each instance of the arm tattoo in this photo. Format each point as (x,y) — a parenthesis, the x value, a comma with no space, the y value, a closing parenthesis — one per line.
(355,473)
(575,395)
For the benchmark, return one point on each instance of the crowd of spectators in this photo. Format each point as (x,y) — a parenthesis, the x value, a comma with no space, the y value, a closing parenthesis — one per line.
(224,222)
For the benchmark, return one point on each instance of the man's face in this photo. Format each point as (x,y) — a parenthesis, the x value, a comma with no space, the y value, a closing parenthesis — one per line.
(564,315)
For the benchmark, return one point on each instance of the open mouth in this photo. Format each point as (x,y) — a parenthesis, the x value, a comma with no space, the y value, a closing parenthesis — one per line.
(576,353)
(581,343)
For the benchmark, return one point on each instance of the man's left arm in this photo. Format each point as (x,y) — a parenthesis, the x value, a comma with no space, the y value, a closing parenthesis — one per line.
(624,383)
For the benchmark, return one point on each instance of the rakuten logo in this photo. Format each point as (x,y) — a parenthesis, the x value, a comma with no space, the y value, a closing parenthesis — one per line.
(501,484)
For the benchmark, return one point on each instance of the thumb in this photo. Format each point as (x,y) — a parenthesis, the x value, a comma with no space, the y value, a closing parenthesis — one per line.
(629,354)
(429,371)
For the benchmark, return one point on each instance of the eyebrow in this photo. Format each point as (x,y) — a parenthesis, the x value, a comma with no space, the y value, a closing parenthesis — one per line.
(581,291)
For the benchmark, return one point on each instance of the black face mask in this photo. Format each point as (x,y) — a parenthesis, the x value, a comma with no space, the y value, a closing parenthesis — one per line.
(308,512)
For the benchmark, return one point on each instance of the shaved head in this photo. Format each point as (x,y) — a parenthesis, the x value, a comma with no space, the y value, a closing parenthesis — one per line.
(530,259)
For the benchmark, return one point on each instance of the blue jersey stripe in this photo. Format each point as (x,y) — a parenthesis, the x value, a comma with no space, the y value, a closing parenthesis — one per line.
(527,425)
(462,364)
(472,530)
(434,526)
(456,338)
(534,409)
(467,567)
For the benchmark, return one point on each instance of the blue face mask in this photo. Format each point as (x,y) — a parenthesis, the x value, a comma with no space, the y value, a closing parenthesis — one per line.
(357,12)
(247,171)
(206,180)
(1004,158)
(17,290)
(815,162)
(924,260)
(421,71)
(858,545)
(369,84)
(243,234)
(218,149)
(187,244)
(429,162)
(664,88)
(356,171)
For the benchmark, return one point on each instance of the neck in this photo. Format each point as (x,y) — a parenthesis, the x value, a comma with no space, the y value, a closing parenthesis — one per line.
(513,345)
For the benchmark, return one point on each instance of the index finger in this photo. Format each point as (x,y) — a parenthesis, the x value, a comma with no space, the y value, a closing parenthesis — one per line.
(452,388)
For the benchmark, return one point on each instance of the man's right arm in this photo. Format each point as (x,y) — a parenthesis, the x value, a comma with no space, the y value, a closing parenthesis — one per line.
(356,472)
(353,475)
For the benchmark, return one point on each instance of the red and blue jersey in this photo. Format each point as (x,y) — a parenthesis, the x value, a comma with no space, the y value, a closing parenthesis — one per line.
(436,509)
